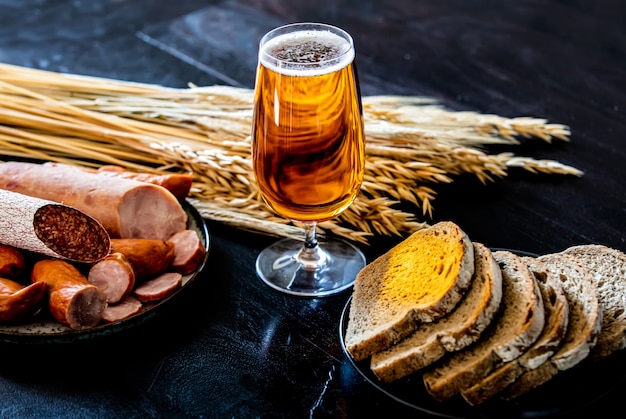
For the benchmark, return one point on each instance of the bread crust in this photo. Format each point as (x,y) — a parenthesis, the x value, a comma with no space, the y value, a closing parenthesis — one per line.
(608,266)
(556,312)
(585,320)
(515,329)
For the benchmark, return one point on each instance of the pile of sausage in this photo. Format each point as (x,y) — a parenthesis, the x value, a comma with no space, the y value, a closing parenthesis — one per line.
(151,248)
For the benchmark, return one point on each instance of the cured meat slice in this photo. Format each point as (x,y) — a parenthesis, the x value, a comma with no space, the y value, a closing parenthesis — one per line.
(128,306)
(114,275)
(188,251)
(160,287)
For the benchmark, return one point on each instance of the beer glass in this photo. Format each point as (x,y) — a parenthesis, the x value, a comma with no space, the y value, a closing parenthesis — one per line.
(308,152)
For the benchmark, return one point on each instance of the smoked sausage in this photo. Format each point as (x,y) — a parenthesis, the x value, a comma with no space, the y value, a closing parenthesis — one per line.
(12,261)
(148,257)
(125,207)
(18,301)
(72,300)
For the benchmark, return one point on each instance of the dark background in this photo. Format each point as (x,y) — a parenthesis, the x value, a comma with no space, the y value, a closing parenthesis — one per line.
(232,347)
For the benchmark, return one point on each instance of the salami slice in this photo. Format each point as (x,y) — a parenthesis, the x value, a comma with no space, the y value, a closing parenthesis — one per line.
(51,229)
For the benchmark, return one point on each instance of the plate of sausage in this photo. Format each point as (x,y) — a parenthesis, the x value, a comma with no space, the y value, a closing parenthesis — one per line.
(64,287)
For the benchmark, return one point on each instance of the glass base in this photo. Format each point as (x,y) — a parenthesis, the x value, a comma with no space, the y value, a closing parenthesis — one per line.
(280,267)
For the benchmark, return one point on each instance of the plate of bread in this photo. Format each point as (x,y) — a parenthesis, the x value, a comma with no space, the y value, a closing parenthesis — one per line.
(457,329)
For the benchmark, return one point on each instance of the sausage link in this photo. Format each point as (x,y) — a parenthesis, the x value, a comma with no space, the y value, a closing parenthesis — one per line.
(72,301)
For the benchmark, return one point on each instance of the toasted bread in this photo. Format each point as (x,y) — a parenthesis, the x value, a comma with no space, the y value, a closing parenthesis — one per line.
(449,333)
(419,280)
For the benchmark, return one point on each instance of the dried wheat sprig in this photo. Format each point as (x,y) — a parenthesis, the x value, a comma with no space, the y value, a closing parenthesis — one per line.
(412,143)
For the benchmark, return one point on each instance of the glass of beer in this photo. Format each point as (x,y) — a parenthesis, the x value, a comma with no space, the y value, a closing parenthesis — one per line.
(308,153)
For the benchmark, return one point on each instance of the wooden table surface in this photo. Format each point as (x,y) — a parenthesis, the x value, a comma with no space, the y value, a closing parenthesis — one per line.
(234,347)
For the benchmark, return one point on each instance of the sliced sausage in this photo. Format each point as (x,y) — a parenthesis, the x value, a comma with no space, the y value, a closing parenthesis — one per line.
(72,300)
(125,207)
(149,257)
(18,301)
(12,261)
(128,306)
(188,251)
(160,287)
(114,275)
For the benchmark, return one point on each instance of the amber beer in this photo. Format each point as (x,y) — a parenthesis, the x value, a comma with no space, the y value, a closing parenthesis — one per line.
(308,145)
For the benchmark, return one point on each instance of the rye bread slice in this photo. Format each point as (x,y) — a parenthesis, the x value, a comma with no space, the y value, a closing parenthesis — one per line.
(585,321)
(609,274)
(516,327)
(452,332)
(419,280)
(556,312)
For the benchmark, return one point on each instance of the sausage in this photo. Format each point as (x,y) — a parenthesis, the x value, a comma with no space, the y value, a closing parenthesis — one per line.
(114,276)
(18,301)
(50,228)
(125,207)
(178,184)
(148,257)
(188,251)
(121,310)
(12,261)
(72,300)
(160,287)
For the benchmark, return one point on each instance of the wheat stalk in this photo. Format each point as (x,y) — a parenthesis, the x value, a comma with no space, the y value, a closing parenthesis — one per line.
(412,145)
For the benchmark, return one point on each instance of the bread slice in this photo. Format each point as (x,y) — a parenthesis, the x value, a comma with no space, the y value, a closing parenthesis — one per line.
(556,311)
(419,280)
(609,273)
(450,333)
(585,320)
(516,328)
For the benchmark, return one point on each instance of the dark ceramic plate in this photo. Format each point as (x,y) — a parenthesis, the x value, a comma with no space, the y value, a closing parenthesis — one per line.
(43,329)
(567,392)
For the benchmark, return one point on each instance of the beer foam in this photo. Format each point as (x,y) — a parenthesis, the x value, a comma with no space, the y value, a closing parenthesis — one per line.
(306,53)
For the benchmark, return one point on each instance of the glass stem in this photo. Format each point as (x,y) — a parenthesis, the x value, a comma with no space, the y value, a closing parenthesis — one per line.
(312,256)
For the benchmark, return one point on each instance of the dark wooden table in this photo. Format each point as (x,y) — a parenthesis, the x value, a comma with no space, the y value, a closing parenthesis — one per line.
(234,347)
